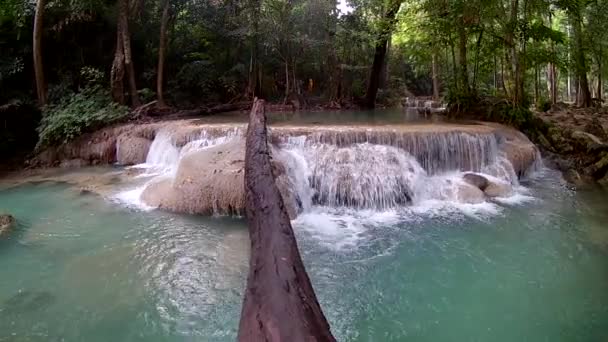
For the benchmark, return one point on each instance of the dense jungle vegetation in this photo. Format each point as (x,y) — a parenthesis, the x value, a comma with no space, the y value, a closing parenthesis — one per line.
(69,66)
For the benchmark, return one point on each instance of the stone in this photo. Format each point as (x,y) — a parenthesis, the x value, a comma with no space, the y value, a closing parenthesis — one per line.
(6,223)
(522,155)
(467,193)
(211,182)
(131,150)
(544,143)
(72,163)
(596,128)
(498,189)
(587,142)
(598,169)
(558,141)
(476,180)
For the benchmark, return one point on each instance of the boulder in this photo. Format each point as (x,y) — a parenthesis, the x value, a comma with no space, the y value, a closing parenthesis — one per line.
(467,193)
(131,150)
(498,189)
(522,154)
(476,180)
(596,128)
(587,142)
(6,223)
(598,169)
(556,137)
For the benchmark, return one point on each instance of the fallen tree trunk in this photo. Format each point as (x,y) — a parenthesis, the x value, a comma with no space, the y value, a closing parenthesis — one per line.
(280,303)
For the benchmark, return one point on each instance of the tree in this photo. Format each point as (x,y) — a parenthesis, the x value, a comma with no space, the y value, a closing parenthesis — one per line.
(123,58)
(41,89)
(384,32)
(162,46)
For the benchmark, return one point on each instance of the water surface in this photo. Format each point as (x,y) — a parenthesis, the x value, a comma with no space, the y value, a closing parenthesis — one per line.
(82,268)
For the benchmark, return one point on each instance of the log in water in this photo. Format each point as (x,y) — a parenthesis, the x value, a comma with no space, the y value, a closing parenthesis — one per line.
(280,303)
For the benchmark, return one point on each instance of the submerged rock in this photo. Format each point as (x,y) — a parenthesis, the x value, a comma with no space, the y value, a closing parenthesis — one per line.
(6,223)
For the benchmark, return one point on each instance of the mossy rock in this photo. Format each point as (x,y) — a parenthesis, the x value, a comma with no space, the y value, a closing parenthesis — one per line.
(6,224)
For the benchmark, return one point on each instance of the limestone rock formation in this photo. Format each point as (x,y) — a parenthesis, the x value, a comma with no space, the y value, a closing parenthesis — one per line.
(498,189)
(6,224)
(476,180)
(131,150)
(467,193)
(210,182)
(488,187)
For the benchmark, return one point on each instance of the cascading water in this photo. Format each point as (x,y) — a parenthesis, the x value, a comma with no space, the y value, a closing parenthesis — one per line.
(377,168)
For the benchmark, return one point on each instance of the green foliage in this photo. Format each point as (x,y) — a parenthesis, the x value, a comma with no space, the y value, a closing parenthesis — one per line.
(543,105)
(75,114)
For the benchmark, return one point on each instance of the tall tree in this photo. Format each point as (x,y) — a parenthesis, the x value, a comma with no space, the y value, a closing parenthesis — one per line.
(41,88)
(162,46)
(123,58)
(381,46)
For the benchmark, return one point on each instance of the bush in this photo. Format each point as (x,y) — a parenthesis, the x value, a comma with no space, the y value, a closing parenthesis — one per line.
(543,105)
(75,114)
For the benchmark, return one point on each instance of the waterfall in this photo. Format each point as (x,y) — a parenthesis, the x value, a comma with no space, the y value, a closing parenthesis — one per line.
(359,167)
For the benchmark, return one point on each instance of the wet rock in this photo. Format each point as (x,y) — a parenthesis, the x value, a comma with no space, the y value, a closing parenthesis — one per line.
(6,223)
(211,182)
(131,150)
(522,155)
(467,193)
(476,180)
(498,189)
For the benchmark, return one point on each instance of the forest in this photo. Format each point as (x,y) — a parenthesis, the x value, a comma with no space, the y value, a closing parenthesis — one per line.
(71,66)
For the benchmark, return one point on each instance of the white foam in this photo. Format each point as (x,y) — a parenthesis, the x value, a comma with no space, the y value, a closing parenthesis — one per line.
(132,198)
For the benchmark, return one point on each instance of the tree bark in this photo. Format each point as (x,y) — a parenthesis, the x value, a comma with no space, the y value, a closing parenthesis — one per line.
(162,46)
(581,67)
(434,67)
(280,303)
(462,54)
(380,54)
(599,77)
(41,89)
(117,74)
(126,39)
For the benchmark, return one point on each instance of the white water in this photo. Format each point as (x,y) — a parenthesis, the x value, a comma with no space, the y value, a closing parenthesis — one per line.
(348,182)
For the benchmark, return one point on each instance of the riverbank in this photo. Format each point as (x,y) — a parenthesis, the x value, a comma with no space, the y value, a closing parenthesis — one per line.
(574,140)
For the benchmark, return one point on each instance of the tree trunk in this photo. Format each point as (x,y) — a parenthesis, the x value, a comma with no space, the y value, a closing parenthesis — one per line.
(126,40)
(41,89)
(117,74)
(599,77)
(434,66)
(384,73)
(280,303)
(462,54)
(581,67)
(380,54)
(286,80)
(552,69)
(162,46)
(477,51)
